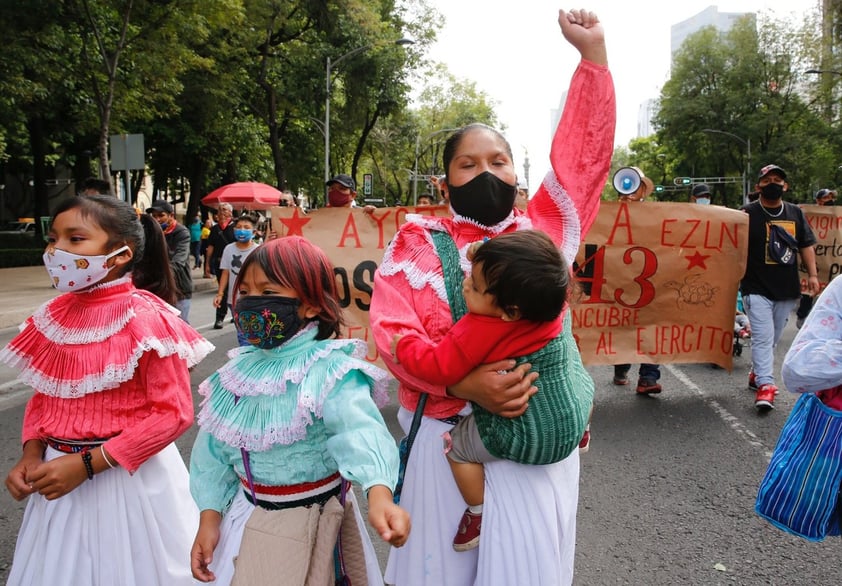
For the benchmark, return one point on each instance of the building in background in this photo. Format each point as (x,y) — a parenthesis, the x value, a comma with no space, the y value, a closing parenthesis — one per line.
(710,16)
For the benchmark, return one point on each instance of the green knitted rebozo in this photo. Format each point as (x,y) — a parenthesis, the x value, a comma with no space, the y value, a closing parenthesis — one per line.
(555,420)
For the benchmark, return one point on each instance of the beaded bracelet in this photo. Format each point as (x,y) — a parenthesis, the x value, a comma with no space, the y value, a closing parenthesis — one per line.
(89,467)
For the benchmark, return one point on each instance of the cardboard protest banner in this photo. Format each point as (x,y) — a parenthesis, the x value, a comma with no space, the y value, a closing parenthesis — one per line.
(659,280)
(659,283)
(826,222)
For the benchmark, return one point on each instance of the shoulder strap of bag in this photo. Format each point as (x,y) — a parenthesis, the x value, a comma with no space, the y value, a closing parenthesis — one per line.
(247,465)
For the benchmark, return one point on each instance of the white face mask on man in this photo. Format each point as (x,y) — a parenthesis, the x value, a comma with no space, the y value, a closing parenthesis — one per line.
(703,200)
(74,272)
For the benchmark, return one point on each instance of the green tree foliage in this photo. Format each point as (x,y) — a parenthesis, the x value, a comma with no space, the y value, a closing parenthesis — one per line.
(749,83)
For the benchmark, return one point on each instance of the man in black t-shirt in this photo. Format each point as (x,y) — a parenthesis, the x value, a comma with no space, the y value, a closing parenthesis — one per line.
(771,288)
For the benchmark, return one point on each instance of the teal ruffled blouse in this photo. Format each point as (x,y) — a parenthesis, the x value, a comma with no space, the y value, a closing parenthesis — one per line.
(305,410)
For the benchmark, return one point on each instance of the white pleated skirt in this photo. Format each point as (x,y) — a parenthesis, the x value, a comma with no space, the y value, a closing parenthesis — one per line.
(116,529)
(528,525)
(231,534)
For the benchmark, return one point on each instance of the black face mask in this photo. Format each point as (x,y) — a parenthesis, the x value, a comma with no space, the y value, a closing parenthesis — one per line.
(485,199)
(267,321)
(772,191)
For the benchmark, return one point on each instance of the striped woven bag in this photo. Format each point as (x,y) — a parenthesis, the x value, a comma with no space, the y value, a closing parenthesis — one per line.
(800,491)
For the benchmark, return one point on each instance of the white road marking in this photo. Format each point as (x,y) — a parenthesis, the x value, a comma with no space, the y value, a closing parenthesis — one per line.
(731,420)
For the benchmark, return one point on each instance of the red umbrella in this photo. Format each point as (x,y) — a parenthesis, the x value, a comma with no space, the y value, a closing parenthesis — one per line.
(247,194)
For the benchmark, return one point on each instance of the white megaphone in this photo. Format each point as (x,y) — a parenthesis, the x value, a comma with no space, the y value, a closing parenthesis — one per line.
(630,181)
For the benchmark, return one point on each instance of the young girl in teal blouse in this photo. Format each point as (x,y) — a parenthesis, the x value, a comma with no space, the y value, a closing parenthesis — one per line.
(300,402)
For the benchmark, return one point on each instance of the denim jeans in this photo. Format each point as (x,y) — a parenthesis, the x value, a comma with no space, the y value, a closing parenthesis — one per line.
(183,305)
(768,319)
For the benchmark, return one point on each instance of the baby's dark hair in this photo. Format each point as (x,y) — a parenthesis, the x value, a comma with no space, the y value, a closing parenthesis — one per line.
(525,271)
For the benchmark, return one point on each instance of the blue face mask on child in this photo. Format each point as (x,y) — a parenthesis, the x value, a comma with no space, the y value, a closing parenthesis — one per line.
(243,235)
(267,321)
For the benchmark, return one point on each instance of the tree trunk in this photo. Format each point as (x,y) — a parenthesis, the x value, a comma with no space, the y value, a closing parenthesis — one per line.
(39,172)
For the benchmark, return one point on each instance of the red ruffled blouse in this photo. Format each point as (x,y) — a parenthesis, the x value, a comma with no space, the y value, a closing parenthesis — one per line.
(108,362)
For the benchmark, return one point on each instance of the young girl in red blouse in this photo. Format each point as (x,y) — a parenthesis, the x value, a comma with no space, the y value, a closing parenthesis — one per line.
(108,492)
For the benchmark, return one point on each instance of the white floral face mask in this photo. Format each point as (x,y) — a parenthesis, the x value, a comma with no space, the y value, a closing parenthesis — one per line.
(73,272)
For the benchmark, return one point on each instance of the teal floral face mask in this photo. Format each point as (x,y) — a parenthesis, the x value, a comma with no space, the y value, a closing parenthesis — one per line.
(267,321)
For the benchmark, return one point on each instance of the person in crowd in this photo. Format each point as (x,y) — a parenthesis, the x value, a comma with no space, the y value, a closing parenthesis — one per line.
(287,199)
(700,194)
(206,230)
(771,286)
(196,241)
(435,181)
(232,260)
(178,243)
(742,326)
(95,186)
(341,193)
(425,200)
(648,374)
(295,410)
(514,298)
(823,197)
(221,235)
(410,296)
(148,273)
(108,493)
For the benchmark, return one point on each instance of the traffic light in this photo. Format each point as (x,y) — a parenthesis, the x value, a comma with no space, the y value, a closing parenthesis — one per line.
(682,180)
(659,189)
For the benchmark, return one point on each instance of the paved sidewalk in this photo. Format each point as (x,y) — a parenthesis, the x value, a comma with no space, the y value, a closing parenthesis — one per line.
(24,289)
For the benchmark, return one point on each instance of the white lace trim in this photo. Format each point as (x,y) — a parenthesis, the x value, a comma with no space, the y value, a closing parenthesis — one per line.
(245,385)
(417,278)
(572,235)
(310,404)
(111,377)
(47,325)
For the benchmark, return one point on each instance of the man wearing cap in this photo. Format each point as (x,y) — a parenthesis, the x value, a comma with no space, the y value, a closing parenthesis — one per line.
(700,194)
(341,193)
(771,286)
(178,243)
(823,197)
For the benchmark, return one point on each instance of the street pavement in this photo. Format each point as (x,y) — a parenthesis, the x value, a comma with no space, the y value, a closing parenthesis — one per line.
(667,489)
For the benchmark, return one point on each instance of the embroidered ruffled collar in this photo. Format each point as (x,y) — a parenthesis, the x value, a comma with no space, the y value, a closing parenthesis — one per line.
(261,398)
(89,316)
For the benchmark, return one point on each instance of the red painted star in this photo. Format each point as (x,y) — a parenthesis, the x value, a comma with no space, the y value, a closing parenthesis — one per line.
(697,260)
(294,223)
